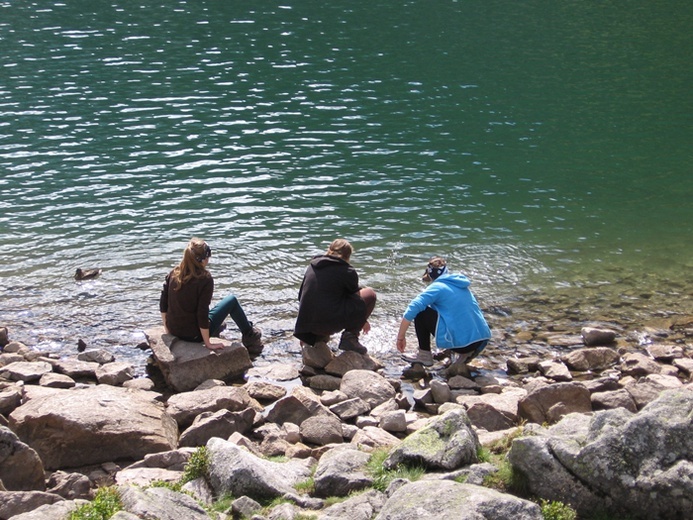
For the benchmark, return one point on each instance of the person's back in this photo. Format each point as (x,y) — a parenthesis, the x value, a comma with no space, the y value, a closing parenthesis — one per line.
(331,300)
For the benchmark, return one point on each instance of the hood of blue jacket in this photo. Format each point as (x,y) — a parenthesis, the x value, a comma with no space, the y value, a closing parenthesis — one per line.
(455,280)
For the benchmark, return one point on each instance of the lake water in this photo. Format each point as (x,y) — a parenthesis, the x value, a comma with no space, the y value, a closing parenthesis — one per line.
(545,148)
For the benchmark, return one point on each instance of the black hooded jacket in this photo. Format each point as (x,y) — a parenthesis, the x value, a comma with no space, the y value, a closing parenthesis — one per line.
(329,299)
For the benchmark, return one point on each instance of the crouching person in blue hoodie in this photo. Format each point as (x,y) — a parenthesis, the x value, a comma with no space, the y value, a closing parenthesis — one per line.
(447,310)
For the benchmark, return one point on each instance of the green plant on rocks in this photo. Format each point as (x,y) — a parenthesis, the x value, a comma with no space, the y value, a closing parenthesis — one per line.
(197,466)
(106,503)
(382,477)
(552,510)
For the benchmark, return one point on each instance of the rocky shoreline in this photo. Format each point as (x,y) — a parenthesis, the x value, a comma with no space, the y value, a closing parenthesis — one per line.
(595,416)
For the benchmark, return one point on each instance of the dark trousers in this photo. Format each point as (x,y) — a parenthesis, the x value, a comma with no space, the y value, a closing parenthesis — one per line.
(425,324)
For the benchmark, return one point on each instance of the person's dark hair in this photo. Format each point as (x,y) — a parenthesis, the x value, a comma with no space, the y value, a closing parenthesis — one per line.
(191,266)
(341,248)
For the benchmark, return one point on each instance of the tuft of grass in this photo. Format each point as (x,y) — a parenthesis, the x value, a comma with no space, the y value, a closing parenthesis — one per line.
(223,503)
(382,477)
(507,480)
(197,466)
(553,510)
(305,487)
(106,503)
(502,446)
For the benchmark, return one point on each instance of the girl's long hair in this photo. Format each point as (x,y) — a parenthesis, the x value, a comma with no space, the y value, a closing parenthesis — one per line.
(191,266)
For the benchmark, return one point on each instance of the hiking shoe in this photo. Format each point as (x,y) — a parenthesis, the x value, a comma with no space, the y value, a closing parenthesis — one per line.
(350,342)
(423,357)
(252,340)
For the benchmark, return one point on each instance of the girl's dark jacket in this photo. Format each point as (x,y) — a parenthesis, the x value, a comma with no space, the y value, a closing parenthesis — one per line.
(329,299)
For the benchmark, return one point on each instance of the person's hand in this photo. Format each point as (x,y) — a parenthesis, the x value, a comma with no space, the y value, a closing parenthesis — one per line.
(401,344)
(366,328)
(215,346)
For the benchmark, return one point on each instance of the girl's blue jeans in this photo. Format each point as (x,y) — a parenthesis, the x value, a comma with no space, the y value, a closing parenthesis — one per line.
(229,306)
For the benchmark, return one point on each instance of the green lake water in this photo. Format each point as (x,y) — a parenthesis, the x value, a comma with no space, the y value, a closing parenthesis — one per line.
(545,148)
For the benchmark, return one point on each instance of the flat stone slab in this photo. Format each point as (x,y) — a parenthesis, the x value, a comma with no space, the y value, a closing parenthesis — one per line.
(185,365)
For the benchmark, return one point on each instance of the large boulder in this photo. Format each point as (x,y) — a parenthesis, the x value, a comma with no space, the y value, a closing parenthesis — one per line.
(21,468)
(236,471)
(160,503)
(15,503)
(184,407)
(92,425)
(185,365)
(438,499)
(25,371)
(549,403)
(222,423)
(369,386)
(633,465)
(341,471)
(448,442)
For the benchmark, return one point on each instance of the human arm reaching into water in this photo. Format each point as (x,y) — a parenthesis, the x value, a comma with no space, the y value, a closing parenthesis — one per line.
(402,334)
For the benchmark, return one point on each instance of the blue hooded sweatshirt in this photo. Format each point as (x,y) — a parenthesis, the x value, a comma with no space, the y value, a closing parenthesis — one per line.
(460,321)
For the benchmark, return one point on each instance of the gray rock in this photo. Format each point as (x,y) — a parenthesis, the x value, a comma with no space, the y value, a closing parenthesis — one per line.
(555,370)
(11,398)
(21,468)
(665,353)
(341,471)
(236,471)
(632,465)
(644,391)
(592,336)
(140,383)
(448,442)
(6,358)
(144,477)
(318,356)
(70,486)
(435,500)
(321,430)
(522,365)
(75,369)
(83,426)
(160,503)
(550,403)
(184,407)
(245,507)
(637,365)
(25,371)
(349,361)
(100,356)
(57,510)
(324,382)
(613,399)
(15,503)
(369,386)
(114,374)
(595,358)
(53,380)
(275,372)
(296,407)
(362,506)
(265,391)
(332,397)
(372,437)
(174,460)
(185,365)
(440,391)
(394,421)
(350,408)
(222,424)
